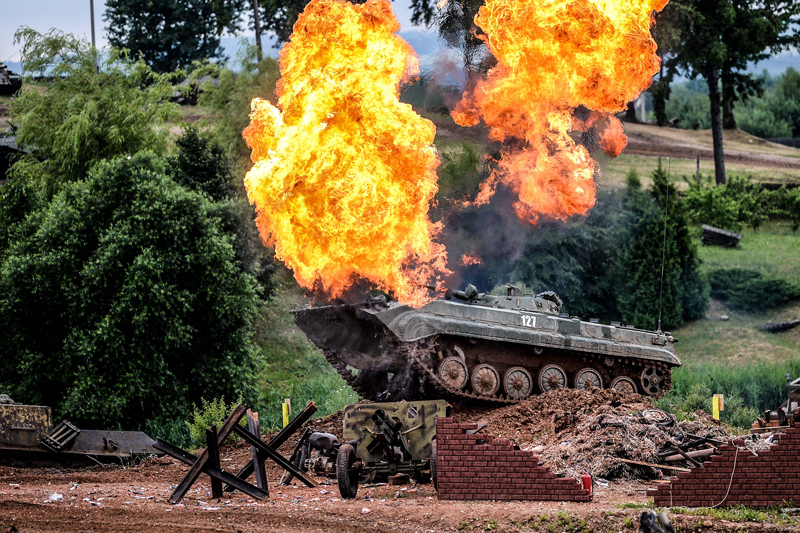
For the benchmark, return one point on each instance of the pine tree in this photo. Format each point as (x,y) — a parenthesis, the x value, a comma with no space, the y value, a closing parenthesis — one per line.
(685,294)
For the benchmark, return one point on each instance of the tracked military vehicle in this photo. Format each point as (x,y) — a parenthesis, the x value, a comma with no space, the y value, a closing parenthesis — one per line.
(471,345)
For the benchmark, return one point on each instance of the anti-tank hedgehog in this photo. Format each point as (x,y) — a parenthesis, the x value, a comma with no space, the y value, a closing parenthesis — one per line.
(470,345)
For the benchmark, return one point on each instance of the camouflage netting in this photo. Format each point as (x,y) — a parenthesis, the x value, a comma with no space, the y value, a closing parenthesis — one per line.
(590,431)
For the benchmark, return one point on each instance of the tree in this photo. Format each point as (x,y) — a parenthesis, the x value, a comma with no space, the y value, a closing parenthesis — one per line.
(85,115)
(170,34)
(122,300)
(648,249)
(201,165)
(716,39)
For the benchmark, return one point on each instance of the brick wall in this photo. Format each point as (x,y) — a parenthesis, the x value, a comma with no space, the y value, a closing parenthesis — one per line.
(468,469)
(769,478)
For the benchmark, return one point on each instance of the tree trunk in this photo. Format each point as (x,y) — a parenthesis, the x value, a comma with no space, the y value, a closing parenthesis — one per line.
(728,100)
(257,24)
(716,125)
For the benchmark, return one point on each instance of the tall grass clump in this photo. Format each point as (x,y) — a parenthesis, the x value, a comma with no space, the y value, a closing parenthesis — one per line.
(749,390)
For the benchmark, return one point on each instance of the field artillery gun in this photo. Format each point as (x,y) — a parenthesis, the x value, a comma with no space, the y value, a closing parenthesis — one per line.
(379,441)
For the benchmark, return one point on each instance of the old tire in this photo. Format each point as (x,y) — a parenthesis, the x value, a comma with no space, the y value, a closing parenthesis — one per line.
(433,463)
(346,477)
(485,380)
(588,377)
(551,377)
(518,383)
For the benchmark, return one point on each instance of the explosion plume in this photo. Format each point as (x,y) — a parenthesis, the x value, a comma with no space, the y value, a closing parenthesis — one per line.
(552,57)
(343,172)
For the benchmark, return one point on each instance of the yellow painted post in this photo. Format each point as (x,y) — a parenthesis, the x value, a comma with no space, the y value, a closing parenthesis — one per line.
(285,414)
(715,405)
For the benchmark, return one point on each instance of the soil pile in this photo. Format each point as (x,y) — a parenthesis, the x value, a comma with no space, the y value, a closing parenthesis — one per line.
(582,430)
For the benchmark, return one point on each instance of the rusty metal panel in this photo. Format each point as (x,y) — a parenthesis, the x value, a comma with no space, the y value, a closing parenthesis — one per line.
(418,419)
(23,425)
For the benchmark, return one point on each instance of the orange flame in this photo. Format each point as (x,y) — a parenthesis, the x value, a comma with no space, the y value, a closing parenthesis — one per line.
(553,56)
(344,173)
(471,258)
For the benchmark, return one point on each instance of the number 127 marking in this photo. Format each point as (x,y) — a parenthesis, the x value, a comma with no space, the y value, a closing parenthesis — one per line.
(529,321)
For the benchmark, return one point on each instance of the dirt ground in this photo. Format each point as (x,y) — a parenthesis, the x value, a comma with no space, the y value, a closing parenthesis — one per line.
(115,499)
(135,498)
(740,147)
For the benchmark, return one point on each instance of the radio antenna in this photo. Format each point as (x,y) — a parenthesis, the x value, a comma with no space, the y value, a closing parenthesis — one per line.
(664,246)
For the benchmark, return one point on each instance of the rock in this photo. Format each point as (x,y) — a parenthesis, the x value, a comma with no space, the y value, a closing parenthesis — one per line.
(365,511)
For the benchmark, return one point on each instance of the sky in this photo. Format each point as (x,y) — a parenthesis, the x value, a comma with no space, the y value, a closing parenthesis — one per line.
(73,16)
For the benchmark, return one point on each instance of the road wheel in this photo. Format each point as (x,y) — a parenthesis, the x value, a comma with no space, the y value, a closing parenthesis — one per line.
(453,373)
(623,384)
(588,378)
(485,380)
(346,475)
(552,377)
(518,383)
(653,380)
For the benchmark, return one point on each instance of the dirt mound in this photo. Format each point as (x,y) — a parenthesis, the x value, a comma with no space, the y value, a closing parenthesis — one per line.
(575,431)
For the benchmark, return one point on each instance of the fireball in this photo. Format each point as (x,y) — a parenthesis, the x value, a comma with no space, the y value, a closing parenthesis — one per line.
(343,173)
(552,57)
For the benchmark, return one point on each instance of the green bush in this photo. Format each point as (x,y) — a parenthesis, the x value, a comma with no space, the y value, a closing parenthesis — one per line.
(212,413)
(749,290)
(737,412)
(740,201)
(122,301)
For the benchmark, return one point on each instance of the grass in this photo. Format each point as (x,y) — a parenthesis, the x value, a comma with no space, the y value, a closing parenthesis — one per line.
(773,250)
(740,513)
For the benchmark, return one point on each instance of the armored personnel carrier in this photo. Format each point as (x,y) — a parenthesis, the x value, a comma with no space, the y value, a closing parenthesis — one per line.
(471,345)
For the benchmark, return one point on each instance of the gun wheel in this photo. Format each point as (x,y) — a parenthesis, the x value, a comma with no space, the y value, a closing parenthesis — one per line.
(346,475)
(552,377)
(623,384)
(485,380)
(588,378)
(653,380)
(518,383)
(453,373)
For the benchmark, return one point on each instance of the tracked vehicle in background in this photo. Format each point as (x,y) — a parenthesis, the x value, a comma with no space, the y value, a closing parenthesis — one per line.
(470,345)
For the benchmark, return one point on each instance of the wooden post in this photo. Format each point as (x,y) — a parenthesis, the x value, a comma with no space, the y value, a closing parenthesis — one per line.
(715,406)
(285,409)
(213,459)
